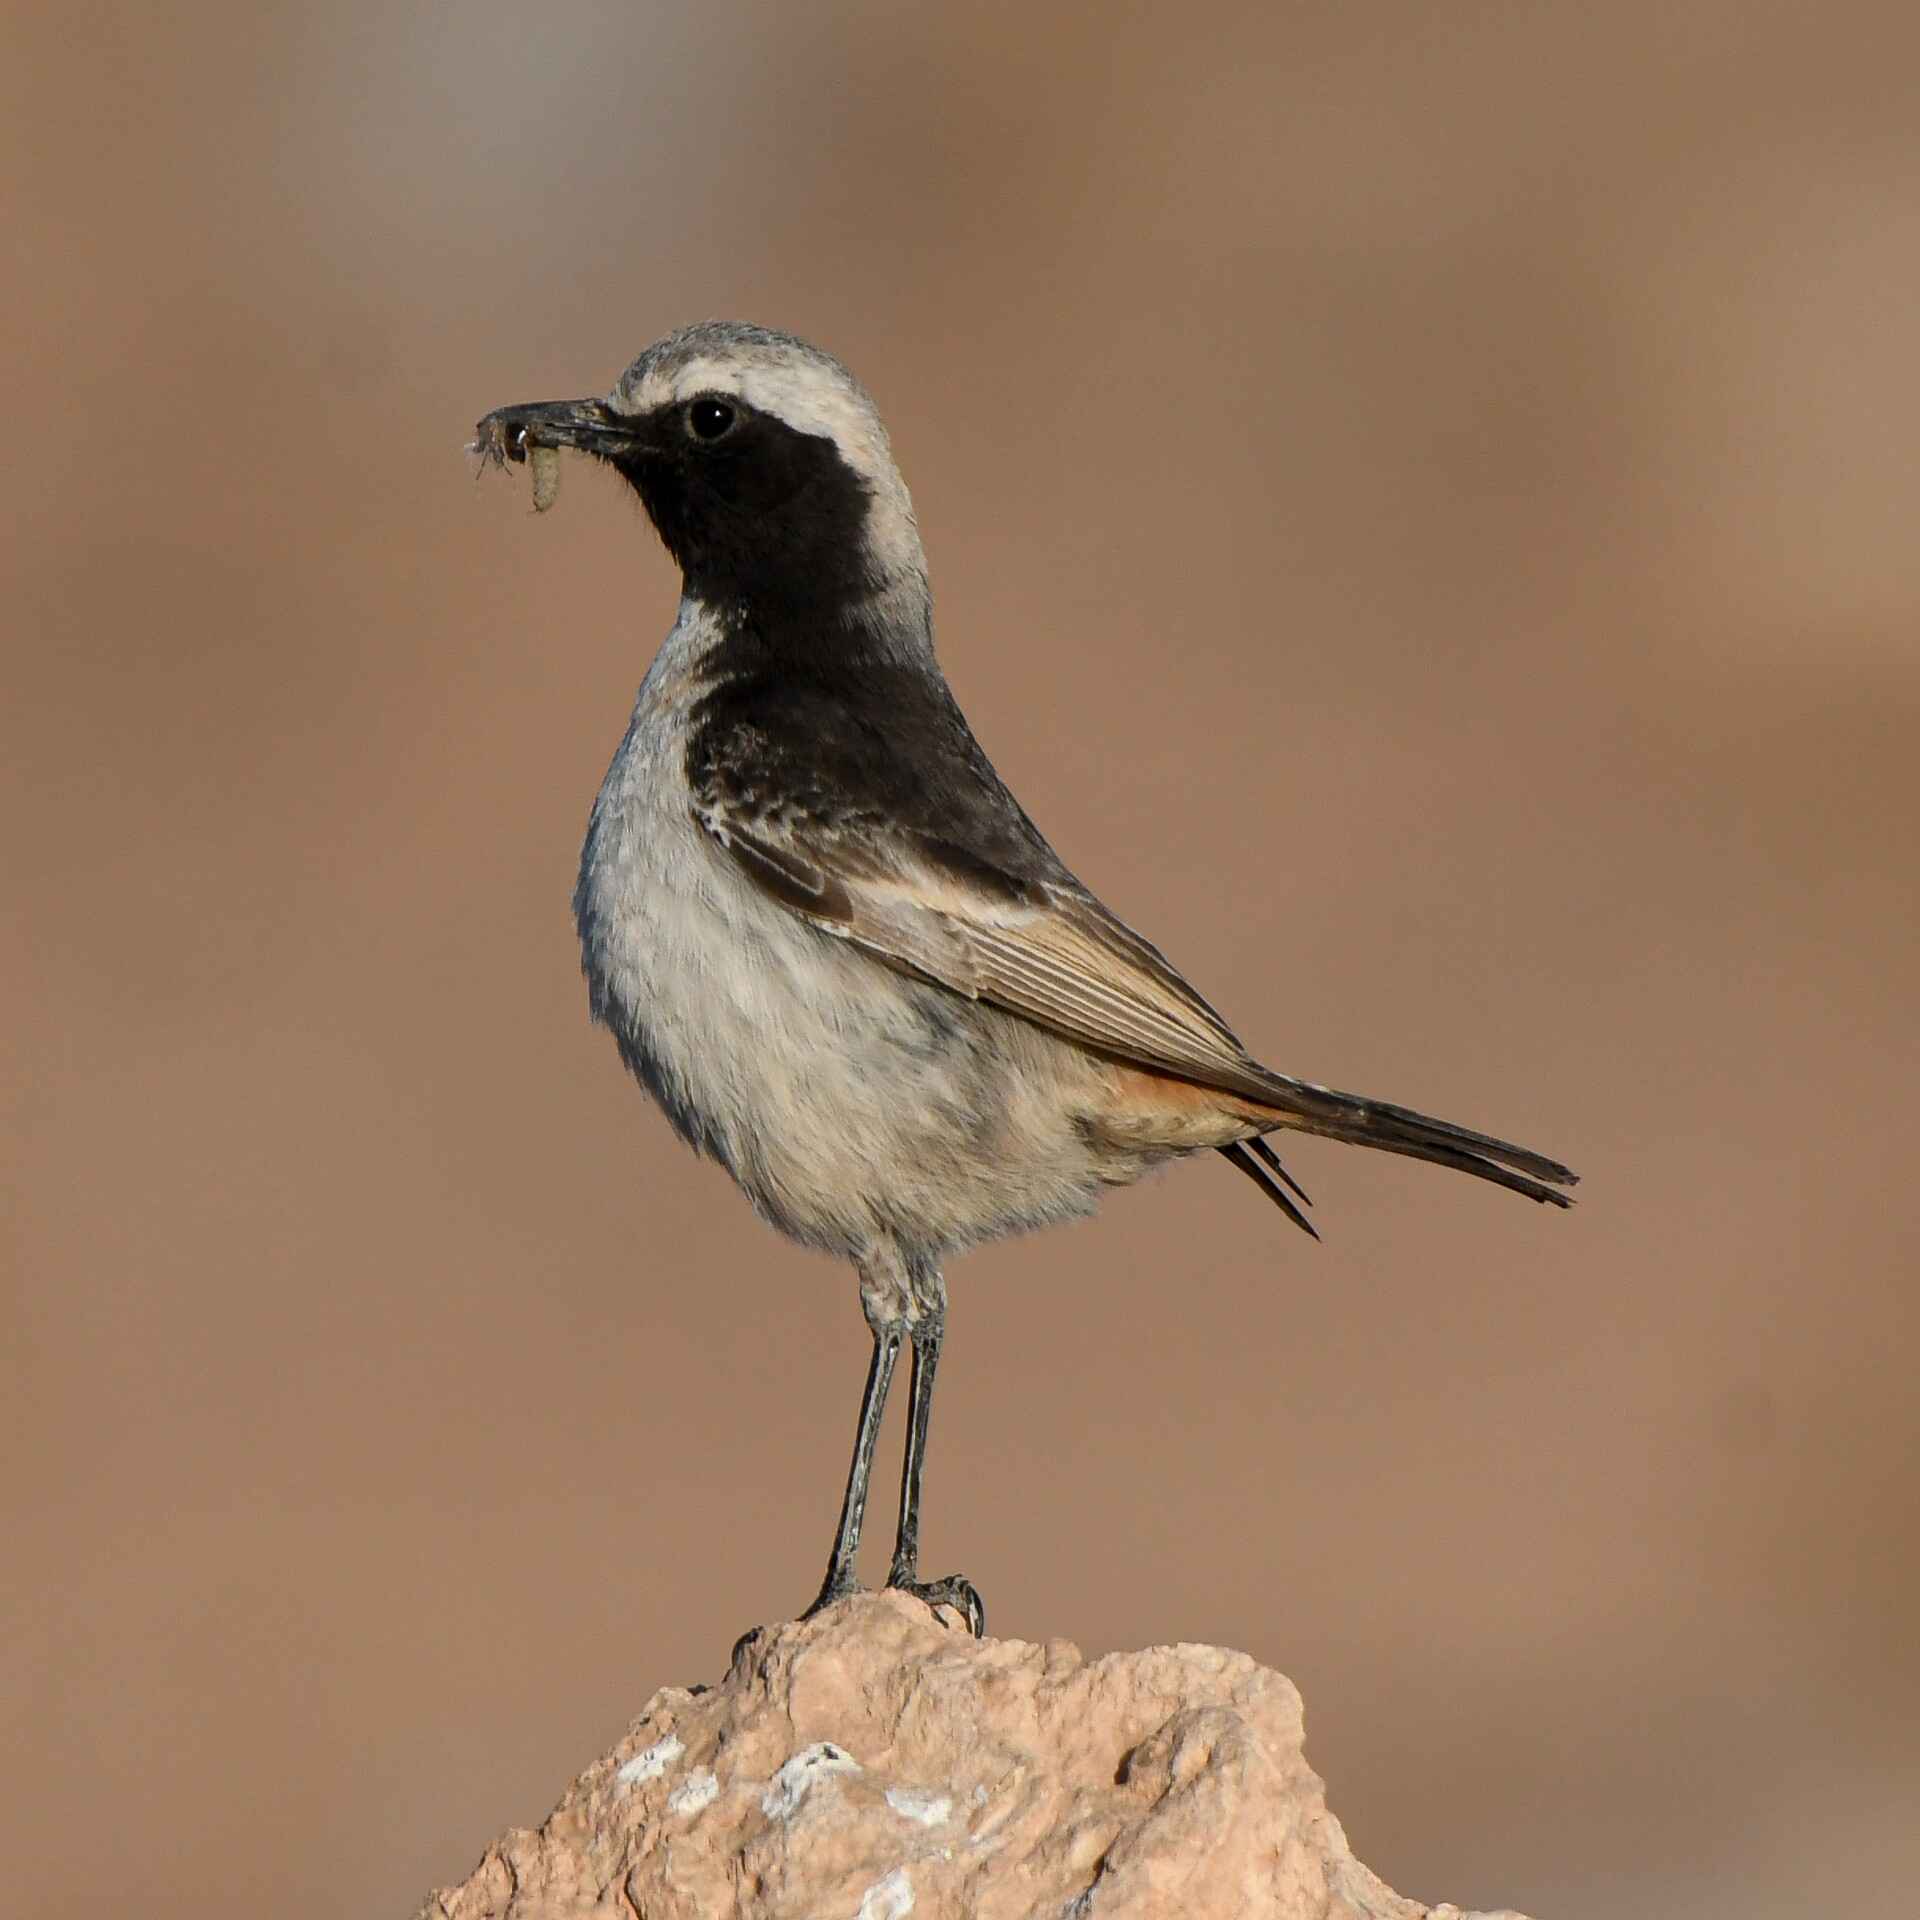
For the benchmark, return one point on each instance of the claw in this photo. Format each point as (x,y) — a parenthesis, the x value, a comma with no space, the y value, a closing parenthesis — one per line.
(955,1591)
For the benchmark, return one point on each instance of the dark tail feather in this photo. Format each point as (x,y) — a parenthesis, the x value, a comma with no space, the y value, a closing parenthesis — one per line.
(1373,1123)
(1476,1164)
(1265,1181)
(1398,1129)
(1271,1161)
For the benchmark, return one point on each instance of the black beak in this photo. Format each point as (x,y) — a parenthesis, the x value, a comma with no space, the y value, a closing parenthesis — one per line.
(511,433)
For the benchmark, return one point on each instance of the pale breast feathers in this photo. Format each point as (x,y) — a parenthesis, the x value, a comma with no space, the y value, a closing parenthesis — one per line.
(1045,950)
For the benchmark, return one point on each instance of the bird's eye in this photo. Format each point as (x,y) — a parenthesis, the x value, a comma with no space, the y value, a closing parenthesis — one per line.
(710,419)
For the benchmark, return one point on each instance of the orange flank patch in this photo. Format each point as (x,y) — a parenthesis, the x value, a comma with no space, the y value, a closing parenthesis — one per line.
(1155,1109)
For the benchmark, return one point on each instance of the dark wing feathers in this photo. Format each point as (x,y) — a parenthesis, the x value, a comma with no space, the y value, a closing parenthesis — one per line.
(906,844)
(1056,957)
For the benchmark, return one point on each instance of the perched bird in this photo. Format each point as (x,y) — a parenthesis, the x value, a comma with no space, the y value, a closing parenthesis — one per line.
(824,935)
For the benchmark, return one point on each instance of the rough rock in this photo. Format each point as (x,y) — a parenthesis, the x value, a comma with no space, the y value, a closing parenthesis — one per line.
(872,1763)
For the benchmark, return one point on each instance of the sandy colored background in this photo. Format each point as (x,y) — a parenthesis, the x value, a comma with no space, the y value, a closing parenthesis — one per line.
(1423,501)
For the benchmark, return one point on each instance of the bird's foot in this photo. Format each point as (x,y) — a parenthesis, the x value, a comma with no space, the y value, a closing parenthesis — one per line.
(955,1591)
(838,1587)
(828,1594)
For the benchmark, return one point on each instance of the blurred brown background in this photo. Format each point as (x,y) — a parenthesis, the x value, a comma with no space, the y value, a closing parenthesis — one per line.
(1423,504)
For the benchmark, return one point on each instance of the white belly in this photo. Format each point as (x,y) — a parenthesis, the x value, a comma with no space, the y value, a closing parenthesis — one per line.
(849,1101)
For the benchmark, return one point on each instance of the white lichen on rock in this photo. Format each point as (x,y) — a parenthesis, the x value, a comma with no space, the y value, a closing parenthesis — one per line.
(911,1803)
(887,1899)
(791,1785)
(697,1790)
(651,1764)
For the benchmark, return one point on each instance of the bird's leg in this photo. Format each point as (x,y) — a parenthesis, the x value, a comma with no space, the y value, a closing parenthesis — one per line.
(926,1357)
(955,1590)
(841,1579)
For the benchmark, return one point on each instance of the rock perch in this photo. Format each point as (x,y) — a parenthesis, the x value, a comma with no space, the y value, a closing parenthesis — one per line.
(870,1763)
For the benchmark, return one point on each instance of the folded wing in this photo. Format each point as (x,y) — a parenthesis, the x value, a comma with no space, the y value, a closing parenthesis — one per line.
(1044,948)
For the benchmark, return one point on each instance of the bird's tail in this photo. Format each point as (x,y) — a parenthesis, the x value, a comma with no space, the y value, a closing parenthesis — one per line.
(1305,1108)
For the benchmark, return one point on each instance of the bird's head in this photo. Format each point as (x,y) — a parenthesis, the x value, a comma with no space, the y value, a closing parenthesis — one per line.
(761,461)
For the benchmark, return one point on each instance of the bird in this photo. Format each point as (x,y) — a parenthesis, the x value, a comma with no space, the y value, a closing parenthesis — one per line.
(824,935)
